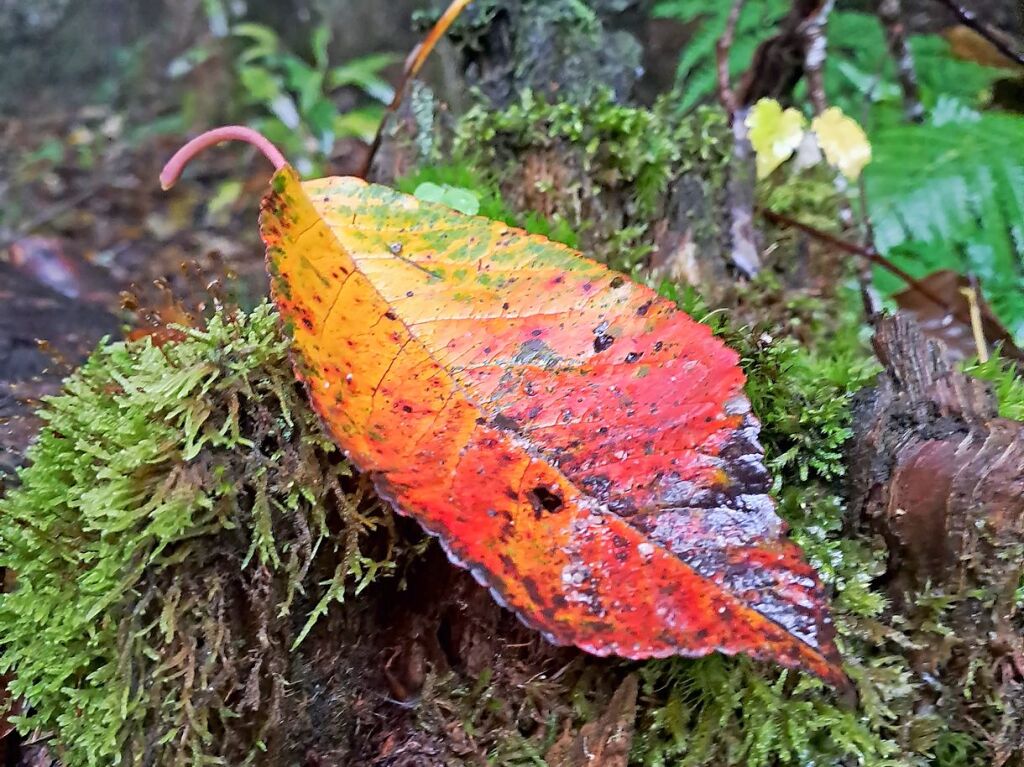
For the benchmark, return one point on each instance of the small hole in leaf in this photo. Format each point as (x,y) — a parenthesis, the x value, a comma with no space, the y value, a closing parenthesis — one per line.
(543,500)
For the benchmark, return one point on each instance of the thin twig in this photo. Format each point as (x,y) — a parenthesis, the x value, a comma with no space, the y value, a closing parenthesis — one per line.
(812,30)
(859,250)
(723,49)
(740,184)
(890,12)
(970,19)
(972,295)
(49,214)
(875,257)
(413,64)
(869,295)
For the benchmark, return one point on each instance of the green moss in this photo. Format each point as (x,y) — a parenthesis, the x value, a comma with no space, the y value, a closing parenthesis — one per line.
(721,711)
(617,144)
(809,196)
(492,205)
(802,397)
(181,523)
(598,168)
(1007,382)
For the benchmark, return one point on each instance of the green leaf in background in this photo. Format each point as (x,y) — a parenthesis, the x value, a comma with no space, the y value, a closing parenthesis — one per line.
(457,198)
(364,73)
(359,123)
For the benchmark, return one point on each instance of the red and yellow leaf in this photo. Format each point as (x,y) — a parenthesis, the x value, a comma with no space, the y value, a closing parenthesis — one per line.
(579,444)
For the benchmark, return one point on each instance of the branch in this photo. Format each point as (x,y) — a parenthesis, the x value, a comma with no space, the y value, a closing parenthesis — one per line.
(970,19)
(413,64)
(724,47)
(812,30)
(891,14)
(853,248)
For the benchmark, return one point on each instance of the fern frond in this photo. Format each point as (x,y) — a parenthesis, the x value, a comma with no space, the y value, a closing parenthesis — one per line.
(696,75)
(951,195)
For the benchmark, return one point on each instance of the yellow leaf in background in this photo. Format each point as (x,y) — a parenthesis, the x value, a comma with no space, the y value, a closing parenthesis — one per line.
(775,134)
(843,141)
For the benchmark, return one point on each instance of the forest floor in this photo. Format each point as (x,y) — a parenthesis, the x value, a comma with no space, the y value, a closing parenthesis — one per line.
(91,247)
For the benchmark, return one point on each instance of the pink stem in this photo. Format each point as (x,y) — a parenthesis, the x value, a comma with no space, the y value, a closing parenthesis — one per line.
(172,170)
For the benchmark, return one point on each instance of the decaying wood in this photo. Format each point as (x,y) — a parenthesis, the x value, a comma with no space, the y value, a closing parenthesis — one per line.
(940,477)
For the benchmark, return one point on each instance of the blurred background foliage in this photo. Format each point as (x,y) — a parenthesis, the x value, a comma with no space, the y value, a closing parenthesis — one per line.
(946,192)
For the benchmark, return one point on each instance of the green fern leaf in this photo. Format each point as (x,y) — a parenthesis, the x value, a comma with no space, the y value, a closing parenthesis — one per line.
(697,74)
(951,195)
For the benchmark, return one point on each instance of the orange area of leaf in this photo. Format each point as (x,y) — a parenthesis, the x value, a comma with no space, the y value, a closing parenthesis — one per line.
(579,444)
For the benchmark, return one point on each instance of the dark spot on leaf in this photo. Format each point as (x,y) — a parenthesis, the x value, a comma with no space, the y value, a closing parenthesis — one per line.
(543,500)
(598,485)
(504,423)
(531,588)
(409,294)
(642,311)
(407,408)
(536,332)
(603,342)
(391,315)
(618,281)
(623,507)
(657,346)
(633,357)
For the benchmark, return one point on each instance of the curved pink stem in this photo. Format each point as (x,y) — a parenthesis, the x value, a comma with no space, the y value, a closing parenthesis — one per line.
(172,170)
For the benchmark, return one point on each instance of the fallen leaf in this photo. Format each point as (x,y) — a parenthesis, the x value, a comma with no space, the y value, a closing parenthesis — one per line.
(843,141)
(966,44)
(50,262)
(948,319)
(775,134)
(580,445)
